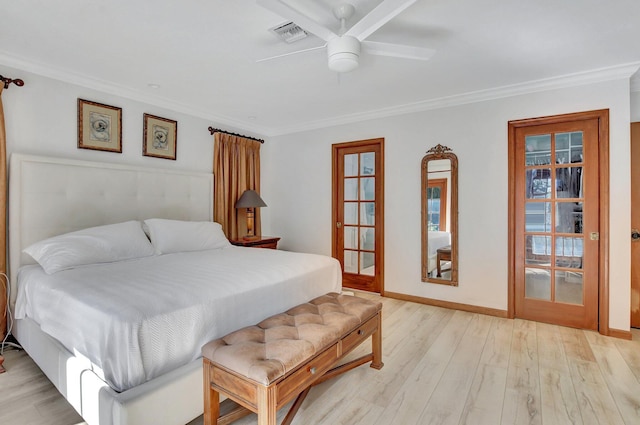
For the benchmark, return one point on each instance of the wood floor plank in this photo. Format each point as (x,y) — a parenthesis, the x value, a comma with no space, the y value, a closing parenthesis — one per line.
(596,339)
(522,397)
(497,349)
(576,346)
(343,411)
(486,396)
(522,394)
(558,397)
(410,400)
(551,352)
(27,397)
(337,399)
(457,378)
(596,403)
(484,402)
(524,344)
(396,323)
(621,381)
(630,351)
(399,367)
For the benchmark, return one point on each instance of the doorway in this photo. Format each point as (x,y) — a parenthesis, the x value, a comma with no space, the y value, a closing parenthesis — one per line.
(358,213)
(558,213)
(635,225)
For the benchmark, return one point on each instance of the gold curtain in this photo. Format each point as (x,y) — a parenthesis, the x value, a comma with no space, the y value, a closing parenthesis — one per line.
(236,168)
(3,216)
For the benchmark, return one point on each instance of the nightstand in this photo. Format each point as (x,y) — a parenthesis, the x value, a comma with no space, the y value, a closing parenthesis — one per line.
(261,242)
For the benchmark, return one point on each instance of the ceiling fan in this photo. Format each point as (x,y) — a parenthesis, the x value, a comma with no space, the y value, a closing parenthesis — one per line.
(344,48)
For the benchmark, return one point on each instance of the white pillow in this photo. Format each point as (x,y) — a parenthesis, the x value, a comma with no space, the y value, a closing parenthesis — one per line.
(102,244)
(169,236)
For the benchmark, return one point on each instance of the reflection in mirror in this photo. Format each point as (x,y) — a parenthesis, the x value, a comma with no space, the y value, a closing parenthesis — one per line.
(440,216)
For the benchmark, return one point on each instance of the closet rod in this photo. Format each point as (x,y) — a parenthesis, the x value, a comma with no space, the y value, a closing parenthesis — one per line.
(18,82)
(217,130)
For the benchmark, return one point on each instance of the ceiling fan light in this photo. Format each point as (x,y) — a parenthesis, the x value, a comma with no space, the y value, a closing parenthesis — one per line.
(343,53)
(343,62)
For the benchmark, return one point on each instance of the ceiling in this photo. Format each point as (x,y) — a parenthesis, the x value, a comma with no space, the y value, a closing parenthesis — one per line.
(203,54)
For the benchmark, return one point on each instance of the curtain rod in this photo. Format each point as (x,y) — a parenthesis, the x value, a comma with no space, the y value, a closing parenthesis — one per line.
(18,82)
(217,130)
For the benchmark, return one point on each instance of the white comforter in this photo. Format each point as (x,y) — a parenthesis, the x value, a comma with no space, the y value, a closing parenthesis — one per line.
(437,240)
(136,320)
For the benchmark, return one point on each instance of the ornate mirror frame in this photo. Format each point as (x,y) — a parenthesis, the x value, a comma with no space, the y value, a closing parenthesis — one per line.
(437,153)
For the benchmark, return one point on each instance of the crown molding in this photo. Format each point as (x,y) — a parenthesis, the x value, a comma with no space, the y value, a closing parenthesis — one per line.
(92,83)
(624,71)
(570,80)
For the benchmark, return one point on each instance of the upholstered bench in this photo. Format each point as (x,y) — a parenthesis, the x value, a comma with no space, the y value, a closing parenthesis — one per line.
(263,367)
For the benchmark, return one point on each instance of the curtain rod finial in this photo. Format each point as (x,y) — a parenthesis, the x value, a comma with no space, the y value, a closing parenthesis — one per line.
(18,82)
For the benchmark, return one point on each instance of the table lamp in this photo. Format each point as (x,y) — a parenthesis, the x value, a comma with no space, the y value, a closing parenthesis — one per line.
(250,200)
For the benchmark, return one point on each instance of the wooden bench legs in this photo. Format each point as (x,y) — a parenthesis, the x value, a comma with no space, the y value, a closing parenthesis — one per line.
(267,405)
(265,400)
(376,345)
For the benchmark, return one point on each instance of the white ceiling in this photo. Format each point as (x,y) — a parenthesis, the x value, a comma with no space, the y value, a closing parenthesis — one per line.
(203,54)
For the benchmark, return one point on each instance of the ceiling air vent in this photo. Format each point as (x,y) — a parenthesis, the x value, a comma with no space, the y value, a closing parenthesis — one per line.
(289,32)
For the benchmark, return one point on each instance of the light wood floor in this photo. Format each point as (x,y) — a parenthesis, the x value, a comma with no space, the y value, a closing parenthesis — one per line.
(441,367)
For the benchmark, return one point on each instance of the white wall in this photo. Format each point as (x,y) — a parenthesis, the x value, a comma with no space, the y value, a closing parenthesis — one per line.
(297,188)
(635,106)
(41,118)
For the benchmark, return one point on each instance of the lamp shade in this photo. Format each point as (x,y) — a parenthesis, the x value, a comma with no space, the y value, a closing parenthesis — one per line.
(250,199)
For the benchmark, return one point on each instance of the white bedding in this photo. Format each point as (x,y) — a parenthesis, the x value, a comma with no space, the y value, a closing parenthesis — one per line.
(437,240)
(136,320)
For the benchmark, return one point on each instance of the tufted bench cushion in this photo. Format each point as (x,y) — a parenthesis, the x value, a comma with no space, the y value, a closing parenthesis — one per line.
(277,345)
(263,367)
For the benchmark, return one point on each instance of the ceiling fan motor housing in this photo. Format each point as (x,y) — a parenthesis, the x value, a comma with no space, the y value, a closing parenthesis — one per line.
(343,53)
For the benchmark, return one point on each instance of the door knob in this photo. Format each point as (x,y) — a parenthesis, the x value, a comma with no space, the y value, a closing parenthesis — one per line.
(635,235)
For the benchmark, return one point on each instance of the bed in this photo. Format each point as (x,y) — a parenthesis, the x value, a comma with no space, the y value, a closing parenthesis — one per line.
(161,382)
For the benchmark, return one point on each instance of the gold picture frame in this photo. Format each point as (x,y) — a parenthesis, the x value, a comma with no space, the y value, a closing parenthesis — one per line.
(160,138)
(99,126)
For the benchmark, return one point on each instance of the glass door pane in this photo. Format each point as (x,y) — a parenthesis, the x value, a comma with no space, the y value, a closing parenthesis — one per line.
(359,213)
(553,217)
(433,208)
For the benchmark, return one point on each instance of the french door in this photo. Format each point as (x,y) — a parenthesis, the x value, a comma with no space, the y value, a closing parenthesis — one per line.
(555,219)
(358,210)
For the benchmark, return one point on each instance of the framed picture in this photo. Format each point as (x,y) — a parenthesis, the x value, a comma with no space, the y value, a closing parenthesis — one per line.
(99,126)
(160,137)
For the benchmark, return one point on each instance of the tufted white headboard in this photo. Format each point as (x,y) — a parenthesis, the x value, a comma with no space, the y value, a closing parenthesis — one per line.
(52,196)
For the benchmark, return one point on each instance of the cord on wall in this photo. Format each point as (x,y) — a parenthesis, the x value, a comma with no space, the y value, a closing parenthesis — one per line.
(7,311)
(6,314)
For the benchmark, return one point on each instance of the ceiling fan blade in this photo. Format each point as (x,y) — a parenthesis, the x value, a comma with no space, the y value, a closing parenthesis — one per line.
(280,8)
(379,16)
(397,50)
(291,53)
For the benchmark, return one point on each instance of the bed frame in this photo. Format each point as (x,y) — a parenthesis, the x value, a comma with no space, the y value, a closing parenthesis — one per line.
(51,196)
